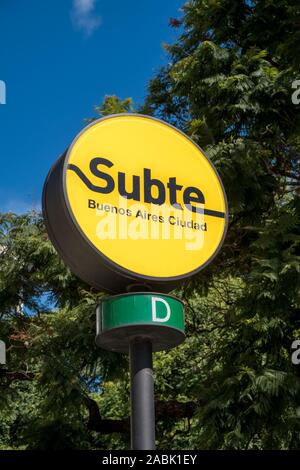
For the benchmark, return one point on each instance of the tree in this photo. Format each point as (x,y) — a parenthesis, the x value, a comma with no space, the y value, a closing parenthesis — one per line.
(113,105)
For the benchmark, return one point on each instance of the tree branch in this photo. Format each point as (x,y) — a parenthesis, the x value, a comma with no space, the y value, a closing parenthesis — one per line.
(163,409)
(16,375)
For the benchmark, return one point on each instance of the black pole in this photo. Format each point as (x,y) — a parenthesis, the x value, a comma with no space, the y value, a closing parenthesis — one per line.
(142,395)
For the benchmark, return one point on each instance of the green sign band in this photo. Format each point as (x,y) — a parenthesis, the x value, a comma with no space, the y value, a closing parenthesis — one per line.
(142,308)
(155,316)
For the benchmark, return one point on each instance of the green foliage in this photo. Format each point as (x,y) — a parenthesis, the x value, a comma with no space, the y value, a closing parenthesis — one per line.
(231,385)
(113,105)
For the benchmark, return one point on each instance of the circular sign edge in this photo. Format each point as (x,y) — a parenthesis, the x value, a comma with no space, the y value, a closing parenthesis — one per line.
(121,270)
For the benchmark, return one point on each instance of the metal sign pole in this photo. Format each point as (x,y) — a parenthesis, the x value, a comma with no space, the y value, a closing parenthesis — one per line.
(142,395)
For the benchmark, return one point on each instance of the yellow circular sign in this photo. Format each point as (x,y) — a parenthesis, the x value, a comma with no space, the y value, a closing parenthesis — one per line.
(144,198)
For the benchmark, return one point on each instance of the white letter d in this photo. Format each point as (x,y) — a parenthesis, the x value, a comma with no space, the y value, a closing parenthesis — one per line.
(154,313)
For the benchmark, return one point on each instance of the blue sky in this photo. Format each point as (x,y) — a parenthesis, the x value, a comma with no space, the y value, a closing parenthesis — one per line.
(59,58)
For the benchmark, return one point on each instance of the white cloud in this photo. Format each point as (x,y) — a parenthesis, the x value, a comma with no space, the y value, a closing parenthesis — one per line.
(19,206)
(83,16)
